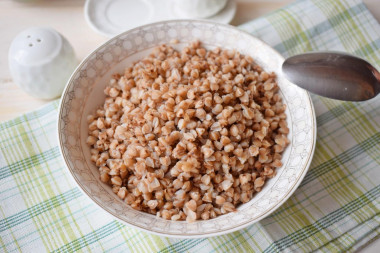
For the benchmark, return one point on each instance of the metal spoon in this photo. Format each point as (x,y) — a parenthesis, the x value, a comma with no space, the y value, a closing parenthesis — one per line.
(333,75)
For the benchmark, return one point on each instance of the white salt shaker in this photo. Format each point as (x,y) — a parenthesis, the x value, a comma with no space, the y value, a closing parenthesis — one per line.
(41,61)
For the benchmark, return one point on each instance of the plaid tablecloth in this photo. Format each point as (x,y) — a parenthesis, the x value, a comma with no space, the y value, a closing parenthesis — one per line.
(336,208)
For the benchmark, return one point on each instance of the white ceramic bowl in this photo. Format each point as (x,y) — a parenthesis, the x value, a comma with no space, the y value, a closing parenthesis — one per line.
(84,93)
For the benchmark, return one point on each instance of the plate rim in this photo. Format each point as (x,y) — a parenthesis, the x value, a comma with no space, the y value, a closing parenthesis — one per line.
(230,8)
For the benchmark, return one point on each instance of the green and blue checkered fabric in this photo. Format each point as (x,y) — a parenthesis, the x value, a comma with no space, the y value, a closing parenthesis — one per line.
(335,209)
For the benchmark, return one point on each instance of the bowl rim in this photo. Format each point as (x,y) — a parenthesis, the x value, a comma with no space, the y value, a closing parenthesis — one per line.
(187,236)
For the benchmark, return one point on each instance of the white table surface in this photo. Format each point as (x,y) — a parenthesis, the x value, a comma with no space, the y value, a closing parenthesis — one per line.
(66,16)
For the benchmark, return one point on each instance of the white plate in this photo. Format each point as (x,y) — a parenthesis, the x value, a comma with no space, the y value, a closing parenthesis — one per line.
(112,17)
(84,93)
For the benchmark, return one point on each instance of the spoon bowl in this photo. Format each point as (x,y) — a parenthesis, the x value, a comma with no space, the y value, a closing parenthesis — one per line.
(334,75)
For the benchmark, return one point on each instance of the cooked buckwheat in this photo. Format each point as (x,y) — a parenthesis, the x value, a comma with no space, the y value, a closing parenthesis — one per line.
(191,134)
